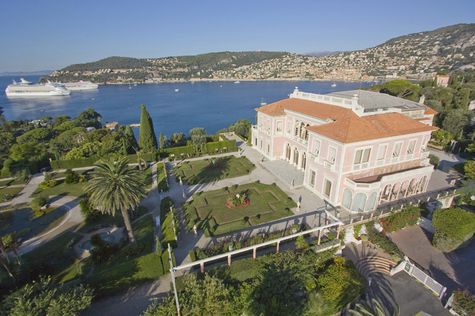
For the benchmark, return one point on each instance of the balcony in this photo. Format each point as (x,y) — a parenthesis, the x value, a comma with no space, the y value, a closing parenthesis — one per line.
(376,181)
(329,165)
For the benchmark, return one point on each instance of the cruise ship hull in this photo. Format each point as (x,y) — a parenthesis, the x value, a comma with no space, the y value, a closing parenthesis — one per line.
(26,89)
(81,85)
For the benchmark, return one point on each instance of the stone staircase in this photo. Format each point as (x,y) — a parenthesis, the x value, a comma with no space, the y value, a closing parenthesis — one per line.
(372,264)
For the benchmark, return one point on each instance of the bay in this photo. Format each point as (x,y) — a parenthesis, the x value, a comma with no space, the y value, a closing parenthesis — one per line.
(211,105)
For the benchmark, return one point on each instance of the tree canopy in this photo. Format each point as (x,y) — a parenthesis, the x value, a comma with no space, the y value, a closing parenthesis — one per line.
(147,137)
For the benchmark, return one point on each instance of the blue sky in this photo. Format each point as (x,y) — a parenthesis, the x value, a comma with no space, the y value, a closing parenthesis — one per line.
(48,35)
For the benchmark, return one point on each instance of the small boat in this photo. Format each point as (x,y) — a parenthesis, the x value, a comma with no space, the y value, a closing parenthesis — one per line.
(263,102)
(236,81)
(176,90)
(135,85)
(334,85)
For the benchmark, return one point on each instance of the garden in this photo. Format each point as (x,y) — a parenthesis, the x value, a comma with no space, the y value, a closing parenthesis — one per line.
(209,212)
(212,169)
(294,282)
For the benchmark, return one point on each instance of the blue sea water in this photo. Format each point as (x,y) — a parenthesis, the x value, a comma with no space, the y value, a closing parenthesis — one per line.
(211,105)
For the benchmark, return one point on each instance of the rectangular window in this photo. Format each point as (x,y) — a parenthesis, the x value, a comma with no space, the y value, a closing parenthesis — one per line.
(268,148)
(332,156)
(410,148)
(255,142)
(312,178)
(316,147)
(396,150)
(382,152)
(289,127)
(279,126)
(328,187)
(268,124)
(261,144)
(362,156)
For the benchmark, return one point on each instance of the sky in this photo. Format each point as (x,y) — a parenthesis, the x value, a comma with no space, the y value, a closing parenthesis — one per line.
(50,35)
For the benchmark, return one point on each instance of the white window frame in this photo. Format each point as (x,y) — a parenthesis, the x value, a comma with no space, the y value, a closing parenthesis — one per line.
(289,127)
(316,149)
(325,180)
(267,147)
(314,179)
(362,164)
(399,151)
(268,124)
(413,147)
(261,143)
(380,161)
(329,154)
(277,125)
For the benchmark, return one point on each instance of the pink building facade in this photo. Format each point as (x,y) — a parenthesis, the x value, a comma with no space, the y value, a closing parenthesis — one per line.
(355,151)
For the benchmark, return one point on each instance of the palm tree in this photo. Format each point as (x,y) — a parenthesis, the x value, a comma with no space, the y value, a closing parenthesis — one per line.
(116,186)
(365,309)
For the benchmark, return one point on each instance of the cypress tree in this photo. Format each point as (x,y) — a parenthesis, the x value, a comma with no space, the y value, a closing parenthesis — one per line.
(147,138)
(131,141)
(162,141)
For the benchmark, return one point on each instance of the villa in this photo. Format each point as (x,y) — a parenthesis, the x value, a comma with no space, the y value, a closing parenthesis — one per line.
(356,149)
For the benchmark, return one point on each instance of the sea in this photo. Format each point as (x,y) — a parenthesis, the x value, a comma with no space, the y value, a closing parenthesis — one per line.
(173,107)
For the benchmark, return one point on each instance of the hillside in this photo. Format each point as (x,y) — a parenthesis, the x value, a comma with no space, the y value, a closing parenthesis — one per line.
(415,56)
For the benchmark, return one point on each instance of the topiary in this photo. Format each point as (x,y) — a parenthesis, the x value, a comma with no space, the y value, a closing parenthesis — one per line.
(71,177)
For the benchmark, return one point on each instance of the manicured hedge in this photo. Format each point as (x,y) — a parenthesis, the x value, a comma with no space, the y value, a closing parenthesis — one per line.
(87,162)
(192,151)
(192,255)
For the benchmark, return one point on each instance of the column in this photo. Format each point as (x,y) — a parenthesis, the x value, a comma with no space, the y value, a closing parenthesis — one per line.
(254,253)
(202,267)
(338,233)
(319,236)
(278,243)
(229,260)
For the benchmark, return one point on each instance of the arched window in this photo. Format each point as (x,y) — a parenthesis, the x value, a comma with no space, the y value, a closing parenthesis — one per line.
(296,156)
(288,152)
(296,128)
(306,132)
(347,197)
(371,202)
(359,203)
(304,161)
(302,130)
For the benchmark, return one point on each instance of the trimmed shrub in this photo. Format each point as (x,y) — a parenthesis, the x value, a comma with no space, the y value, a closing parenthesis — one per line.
(39,202)
(409,215)
(434,160)
(71,177)
(48,184)
(192,255)
(383,241)
(453,226)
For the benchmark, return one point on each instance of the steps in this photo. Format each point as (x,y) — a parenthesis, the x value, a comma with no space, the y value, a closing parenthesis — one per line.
(372,264)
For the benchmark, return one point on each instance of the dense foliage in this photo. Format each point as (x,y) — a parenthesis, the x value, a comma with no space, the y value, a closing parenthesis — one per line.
(287,283)
(464,303)
(409,215)
(42,298)
(383,241)
(453,226)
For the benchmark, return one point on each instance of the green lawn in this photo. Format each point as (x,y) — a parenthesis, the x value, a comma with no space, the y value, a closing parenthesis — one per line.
(194,172)
(13,191)
(11,182)
(62,189)
(107,220)
(208,210)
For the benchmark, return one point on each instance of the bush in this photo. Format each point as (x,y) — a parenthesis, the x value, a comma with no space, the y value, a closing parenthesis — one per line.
(23,232)
(434,160)
(383,242)
(7,197)
(301,243)
(48,184)
(71,177)
(87,210)
(453,226)
(356,230)
(192,255)
(331,236)
(409,215)
(39,202)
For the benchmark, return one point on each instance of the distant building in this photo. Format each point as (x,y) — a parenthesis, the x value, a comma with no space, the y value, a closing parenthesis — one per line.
(90,129)
(114,126)
(356,149)
(442,80)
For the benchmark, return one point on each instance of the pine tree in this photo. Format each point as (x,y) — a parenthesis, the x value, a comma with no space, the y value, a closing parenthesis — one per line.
(162,141)
(147,138)
(131,141)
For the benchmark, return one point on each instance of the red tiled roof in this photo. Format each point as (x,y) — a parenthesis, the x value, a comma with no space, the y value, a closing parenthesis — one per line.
(320,110)
(353,128)
(431,111)
(273,109)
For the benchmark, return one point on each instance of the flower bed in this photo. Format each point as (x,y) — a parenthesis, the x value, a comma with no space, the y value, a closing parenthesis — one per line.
(209,168)
(399,220)
(246,203)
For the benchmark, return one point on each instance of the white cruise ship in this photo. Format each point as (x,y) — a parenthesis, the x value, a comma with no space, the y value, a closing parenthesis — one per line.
(28,89)
(80,85)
